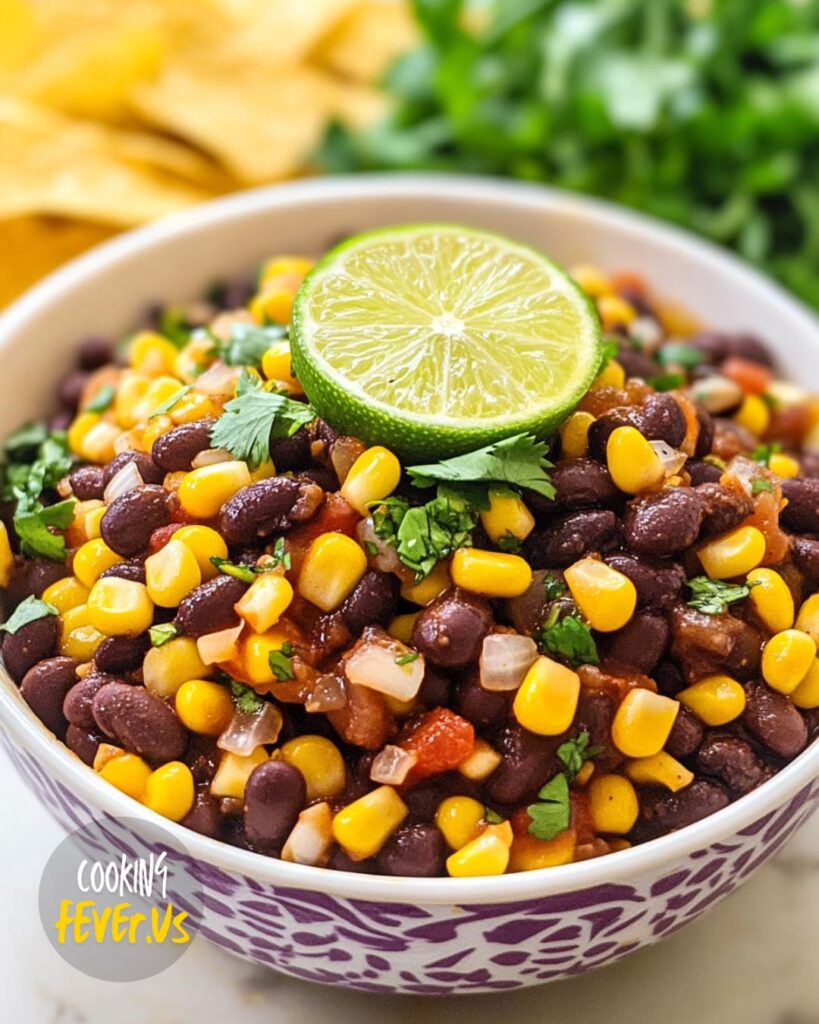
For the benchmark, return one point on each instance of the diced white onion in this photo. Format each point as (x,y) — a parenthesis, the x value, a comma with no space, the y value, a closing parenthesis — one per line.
(251,729)
(647,331)
(391,765)
(326,694)
(717,394)
(210,456)
(375,663)
(124,480)
(311,837)
(345,451)
(218,379)
(505,660)
(387,557)
(220,646)
(746,471)
(672,459)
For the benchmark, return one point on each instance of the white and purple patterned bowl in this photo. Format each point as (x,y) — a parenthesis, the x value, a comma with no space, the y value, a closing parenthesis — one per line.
(380,934)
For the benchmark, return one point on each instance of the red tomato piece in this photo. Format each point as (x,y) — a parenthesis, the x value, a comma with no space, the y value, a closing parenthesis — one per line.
(440,740)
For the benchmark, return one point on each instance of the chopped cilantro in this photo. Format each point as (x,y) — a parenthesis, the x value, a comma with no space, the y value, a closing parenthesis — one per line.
(22,445)
(169,403)
(574,753)
(162,633)
(406,659)
(677,353)
(371,548)
(667,381)
(102,400)
(281,663)
(569,638)
(32,523)
(248,573)
(552,814)
(253,417)
(509,542)
(713,596)
(245,697)
(609,351)
(763,452)
(248,343)
(554,587)
(492,817)
(760,484)
(173,324)
(28,611)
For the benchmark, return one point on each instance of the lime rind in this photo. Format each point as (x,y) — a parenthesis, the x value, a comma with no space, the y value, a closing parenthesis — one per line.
(437,339)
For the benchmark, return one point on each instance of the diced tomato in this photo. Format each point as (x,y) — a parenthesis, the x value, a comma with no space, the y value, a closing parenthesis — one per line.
(753,378)
(366,721)
(440,740)
(160,537)
(765,518)
(628,281)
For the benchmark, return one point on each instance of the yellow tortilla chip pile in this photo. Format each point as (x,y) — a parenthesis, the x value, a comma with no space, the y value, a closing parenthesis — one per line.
(114,112)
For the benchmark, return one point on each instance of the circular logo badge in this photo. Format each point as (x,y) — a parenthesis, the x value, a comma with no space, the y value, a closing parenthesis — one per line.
(118,899)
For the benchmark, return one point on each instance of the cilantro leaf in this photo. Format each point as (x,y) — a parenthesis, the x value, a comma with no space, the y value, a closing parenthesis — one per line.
(763,452)
(666,381)
(509,542)
(552,814)
(492,817)
(31,524)
(569,638)
(609,351)
(174,325)
(102,400)
(760,484)
(245,697)
(574,753)
(677,353)
(22,445)
(169,403)
(253,417)
(162,633)
(24,478)
(408,658)
(29,610)
(248,343)
(519,461)
(554,587)
(713,596)
(281,663)
(248,573)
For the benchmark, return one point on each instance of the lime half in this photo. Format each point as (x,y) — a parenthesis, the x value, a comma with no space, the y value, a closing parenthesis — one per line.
(435,339)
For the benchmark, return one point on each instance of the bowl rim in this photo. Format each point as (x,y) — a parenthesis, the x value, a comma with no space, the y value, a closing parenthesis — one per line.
(647,858)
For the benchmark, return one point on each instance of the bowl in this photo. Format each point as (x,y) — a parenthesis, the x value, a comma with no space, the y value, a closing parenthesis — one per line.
(431,936)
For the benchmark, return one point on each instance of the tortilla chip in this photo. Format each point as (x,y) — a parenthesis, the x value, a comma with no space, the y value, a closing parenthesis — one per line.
(368,41)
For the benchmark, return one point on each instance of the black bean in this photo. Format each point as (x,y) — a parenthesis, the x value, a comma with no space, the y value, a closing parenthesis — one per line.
(660,418)
(748,346)
(87,482)
(658,584)
(774,721)
(291,453)
(805,551)
(724,508)
(204,816)
(322,476)
(175,451)
(705,434)
(601,430)
(809,464)
(31,643)
(415,851)
(528,761)
(702,472)
(60,421)
(570,537)
(79,699)
(732,761)
(595,713)
(527,612)
(746,652)
(259,509)
(340,861)
(686,734)
(450,631)
(802,510)
(121,653)
(434,689)
(140,722)
(83,742)
(32,577)
(94,353)
(209,607)
(636,364)
(131,518)
(666,812)
(148,469)
(641,642)
(373,602)
(274,796)
(669,679)
(663,524)
(70,389)
(483,708)
(583,483)
(132,570)
(44,688)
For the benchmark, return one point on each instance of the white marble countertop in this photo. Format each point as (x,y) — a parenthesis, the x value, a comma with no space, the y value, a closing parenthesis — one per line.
(753,960)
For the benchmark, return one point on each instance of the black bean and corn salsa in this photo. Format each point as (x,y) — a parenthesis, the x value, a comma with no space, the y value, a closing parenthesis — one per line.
(538,652)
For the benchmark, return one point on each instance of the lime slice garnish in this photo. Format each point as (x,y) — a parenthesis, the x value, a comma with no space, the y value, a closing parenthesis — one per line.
(435,339)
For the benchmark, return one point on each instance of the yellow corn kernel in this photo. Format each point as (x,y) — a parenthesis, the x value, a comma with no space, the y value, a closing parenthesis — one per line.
(287,271)
(130,390)
(715,700)
(276,365)
(732,554)
(435,583)
(487,854)
(126,772)
(806,694)
(152,354)
(771,599)
(79,428)
(320,762)
(784,466)
(490,573)
(159,391)
(808,618)
(6,556)
(118,607)
(611,376)
(530,854)
(507,517)
(98,444)
(193,358)
(171,574)
(605,596)
(592,280)
(574,435)
(274,305)
(265,601)
(400,708)
(92,520)
(480,764)
(643,722)
(204,707)
(615,312)
(256,650)
(660,770)
(66,594)
(205,544)
(78,638)
(264,471)
(92,559)
(76,533)
(193,406)
(203,491)
(233,772)
(156,427)
(362,827)
(633,464)
(459,819)
(400,628)
(332,567)
(167,667)
(753,415)
(170,791)
(786,659)
(585,773)
(373,476)
(546,700)
(613,804)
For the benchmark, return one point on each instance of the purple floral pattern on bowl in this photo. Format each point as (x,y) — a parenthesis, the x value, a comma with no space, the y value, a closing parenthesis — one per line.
(447,949)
